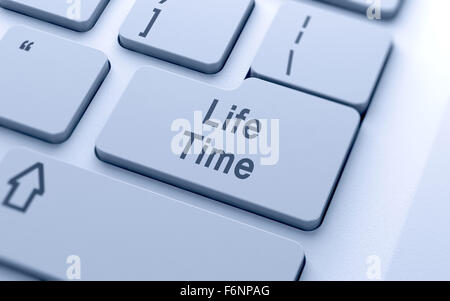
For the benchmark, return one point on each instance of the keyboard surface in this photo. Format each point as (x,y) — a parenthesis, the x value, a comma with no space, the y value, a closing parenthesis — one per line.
(342,224)
(421,251)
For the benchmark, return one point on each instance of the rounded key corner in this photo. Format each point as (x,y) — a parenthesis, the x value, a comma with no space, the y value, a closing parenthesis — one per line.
(301,222)
(126,41)
(106,60)
(312,222)
(299,249)
(108,65)
(57,137)
(212,67)
(84,25)
(300,262)
(310,225)
(98,150)
(353,107)
(390,16)
(390,13)
(122,39)
(43,135)
(213,64)
(102,153)
(142,70)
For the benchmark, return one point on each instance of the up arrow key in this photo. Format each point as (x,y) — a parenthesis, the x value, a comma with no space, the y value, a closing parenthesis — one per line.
(25,187)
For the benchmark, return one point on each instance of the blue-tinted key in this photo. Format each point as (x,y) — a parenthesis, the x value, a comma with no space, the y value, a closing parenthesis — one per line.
(197,34)
(46,83)
(323,53)
(65,223)
(265,148)
(79,15)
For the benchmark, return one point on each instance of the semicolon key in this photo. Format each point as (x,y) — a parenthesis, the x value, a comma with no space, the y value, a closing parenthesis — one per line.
(46,82)
(116,231)
(283,160)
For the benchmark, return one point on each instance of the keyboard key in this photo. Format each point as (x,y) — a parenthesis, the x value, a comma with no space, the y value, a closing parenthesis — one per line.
(283,149)
(387,9)
(46,83)
(75,220)
(197,34)
(77,15)
(323,53)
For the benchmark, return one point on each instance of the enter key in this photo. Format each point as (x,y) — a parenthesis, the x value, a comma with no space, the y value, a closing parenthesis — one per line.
(264,148)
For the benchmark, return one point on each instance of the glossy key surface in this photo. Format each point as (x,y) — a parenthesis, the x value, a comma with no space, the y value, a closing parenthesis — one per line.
(46,82)
(323,53)
(79,15)
(61,222)
(197,34)
(280,155)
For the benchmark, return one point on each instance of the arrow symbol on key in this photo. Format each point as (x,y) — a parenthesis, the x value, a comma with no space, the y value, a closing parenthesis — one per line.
(25,187)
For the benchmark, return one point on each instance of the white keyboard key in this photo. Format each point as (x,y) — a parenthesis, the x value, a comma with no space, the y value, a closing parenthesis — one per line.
(387,9)
(79,15)
(323,53)
(46,82)
(197,34)
(302,143)
(109,230)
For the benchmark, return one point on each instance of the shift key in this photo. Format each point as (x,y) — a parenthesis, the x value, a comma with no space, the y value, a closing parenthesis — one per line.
(61,222)
(264,148)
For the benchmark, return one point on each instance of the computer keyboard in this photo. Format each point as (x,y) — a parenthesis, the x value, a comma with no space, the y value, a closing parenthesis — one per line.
(306,92)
